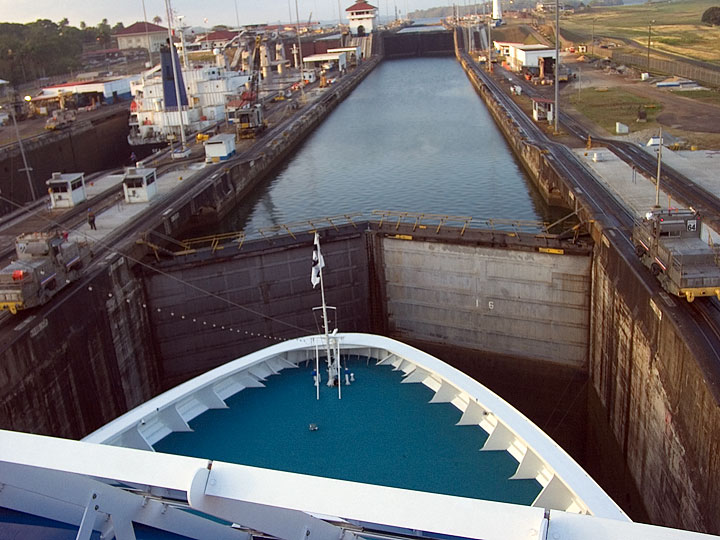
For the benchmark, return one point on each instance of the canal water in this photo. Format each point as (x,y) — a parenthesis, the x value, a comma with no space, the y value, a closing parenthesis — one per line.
(413,136)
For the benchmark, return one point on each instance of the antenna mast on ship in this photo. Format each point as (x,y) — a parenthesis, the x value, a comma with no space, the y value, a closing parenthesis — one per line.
(183,140)
(333,361)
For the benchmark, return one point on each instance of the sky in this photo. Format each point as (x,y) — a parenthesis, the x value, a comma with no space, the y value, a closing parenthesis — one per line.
(215,11)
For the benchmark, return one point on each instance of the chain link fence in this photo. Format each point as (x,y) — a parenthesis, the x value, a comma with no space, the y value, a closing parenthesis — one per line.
(706,75)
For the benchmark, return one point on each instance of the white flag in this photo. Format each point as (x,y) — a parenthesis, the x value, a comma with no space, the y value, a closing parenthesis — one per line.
(318,262)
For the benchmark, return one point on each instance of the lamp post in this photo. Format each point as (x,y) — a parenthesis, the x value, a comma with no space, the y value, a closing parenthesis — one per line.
(592,38)
(147,36)
(648,47)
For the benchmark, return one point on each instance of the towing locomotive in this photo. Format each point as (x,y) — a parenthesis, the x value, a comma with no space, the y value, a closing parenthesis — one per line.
(669,243)
(46,262)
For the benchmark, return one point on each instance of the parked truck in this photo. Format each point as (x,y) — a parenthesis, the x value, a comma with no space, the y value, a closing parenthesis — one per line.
(46,262)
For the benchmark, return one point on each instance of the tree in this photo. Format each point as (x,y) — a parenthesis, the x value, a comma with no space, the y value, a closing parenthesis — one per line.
(103,34)
(712,16)
(157,19)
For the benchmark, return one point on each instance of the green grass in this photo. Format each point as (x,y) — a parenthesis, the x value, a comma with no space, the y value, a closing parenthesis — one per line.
(614,105)
(706,96)
(676,28)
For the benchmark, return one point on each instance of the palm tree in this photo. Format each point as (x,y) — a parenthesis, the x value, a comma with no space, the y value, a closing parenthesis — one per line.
(157,19)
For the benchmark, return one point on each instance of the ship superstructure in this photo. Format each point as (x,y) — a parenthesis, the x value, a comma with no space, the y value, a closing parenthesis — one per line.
(154,113)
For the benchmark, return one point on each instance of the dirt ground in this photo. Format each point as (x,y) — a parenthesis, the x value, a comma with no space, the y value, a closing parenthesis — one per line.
(689,120)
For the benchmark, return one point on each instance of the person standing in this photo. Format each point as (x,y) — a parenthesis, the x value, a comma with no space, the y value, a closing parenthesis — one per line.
(91,219)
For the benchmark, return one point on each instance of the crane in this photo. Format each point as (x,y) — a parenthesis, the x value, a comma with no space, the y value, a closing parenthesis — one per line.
(247,115)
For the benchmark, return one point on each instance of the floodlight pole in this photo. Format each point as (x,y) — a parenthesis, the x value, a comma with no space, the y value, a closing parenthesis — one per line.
(659,163)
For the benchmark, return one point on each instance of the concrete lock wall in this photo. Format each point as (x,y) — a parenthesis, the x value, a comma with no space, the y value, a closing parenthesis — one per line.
(87,361)
(652,395)
(516,303)
(257,296)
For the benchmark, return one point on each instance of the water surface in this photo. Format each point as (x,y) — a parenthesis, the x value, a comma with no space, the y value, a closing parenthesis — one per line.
(413,136)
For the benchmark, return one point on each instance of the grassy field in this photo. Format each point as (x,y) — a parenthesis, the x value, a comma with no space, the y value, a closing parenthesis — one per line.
(706,96)
(614,105)
(676,28)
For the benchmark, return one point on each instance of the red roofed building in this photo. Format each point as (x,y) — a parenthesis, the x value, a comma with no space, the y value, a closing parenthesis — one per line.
(211,40)
(362,18)
(136,36)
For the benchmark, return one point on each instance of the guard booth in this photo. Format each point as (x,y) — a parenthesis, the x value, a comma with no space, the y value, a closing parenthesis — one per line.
(543,109)
(139,185)
(66,190)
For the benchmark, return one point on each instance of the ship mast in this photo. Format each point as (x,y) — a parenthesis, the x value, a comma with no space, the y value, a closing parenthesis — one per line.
(183,140)
(333,363)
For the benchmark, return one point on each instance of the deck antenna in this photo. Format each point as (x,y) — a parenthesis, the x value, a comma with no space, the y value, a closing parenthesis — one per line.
(657,180)
(333,361)
(168,8)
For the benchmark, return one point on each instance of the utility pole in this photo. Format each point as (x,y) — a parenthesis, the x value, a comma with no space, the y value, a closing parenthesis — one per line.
(147,35)
(300,64)
(22,153)
(648,47)
(490,47)
(557,65)
(592,38)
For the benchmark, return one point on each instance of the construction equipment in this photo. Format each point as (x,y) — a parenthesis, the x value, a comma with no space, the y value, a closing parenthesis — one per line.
(246,112)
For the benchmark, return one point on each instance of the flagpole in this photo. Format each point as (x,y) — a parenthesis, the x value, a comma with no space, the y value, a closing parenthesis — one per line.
(337,356)
(324,311)
(317,373)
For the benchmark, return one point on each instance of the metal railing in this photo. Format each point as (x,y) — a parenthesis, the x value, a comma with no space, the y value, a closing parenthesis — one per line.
(383,218)
(421,220)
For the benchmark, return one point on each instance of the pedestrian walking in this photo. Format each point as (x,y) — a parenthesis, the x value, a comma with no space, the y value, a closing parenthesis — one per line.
(91,219)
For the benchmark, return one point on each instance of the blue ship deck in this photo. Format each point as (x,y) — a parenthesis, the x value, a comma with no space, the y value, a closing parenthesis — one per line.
(381,432)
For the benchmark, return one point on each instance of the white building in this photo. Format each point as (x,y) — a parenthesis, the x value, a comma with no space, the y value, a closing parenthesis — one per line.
(362,18)
(327,61)
(521,56)
(106,90)
(142,35)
